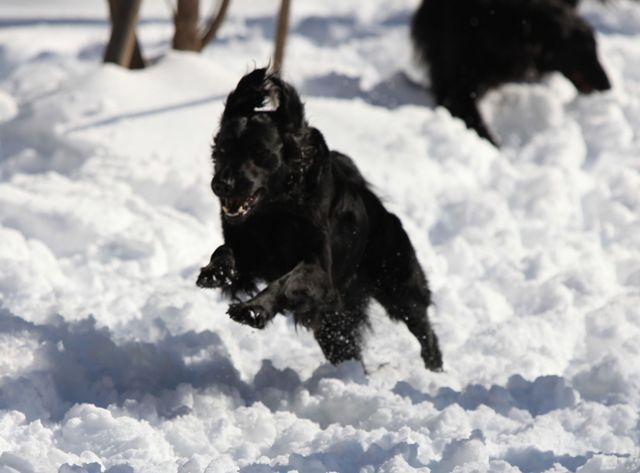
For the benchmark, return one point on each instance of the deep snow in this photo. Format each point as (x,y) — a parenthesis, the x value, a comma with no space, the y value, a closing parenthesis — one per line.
(112,360)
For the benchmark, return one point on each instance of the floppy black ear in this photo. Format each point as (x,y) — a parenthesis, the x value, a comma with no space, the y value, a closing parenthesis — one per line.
(248,95)
(289,110)
(263,92)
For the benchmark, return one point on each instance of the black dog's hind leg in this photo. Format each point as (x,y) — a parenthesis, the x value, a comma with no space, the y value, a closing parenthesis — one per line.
(306,290)
(412,310)
(401,288)
(462,104)
(339,335)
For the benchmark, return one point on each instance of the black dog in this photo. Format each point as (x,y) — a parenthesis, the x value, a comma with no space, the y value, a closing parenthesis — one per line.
(303,219)
(471,46)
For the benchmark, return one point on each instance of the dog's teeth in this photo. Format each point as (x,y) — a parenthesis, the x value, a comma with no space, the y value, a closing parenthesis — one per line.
(242,210)
(229,212)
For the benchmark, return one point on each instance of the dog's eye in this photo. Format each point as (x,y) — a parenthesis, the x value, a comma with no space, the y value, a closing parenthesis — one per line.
(264,159)
(218,153)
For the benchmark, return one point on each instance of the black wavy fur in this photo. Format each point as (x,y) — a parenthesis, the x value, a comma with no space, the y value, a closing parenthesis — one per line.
(471,46)
(303,219)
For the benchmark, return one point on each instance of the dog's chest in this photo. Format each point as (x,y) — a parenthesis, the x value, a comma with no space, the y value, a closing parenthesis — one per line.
(267,248)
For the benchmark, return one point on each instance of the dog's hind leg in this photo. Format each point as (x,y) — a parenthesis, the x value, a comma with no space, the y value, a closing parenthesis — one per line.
(339,335)
(413,312)
(401,287)
(463,105)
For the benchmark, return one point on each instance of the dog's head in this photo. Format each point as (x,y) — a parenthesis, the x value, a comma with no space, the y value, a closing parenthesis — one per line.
(256,152)
(576,56)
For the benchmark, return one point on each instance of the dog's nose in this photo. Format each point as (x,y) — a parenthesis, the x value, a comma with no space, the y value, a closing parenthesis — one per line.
(222,184)
(602,80)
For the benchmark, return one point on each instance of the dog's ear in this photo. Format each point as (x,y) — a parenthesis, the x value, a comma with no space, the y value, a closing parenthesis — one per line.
(262,92)
(248,95)
(289,109)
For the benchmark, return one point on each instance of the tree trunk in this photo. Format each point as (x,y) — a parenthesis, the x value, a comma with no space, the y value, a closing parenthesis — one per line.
(137,60)
(123,45)
(281,35)
(186,36)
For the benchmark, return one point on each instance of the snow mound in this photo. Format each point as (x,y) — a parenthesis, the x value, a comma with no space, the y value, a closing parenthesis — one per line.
(115,362)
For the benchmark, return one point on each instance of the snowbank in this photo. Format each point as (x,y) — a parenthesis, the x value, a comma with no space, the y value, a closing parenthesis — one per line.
(113,361)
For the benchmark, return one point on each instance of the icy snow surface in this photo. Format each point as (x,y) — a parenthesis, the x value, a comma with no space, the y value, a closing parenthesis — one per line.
(113,361)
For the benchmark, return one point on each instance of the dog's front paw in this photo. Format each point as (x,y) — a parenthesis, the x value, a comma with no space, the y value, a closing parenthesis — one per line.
(220,272)
(252,315)
(216,276)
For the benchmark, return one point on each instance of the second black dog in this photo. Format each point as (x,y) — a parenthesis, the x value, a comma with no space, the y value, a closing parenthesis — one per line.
(302,218)
(471,46)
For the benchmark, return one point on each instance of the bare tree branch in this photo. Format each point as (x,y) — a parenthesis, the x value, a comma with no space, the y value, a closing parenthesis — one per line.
(214,24)
(281,35)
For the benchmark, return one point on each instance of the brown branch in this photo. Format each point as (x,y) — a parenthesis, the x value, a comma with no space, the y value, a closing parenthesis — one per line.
(214,24)
(281,35)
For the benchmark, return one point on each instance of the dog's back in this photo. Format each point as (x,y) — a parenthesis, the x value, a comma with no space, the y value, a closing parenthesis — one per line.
(471,46)
(485,42)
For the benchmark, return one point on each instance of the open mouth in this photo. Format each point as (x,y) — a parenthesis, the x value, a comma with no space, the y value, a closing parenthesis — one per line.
(596,83)
(236,208)
(583,86)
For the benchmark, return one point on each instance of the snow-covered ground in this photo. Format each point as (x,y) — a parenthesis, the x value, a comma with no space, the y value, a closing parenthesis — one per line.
(112,360)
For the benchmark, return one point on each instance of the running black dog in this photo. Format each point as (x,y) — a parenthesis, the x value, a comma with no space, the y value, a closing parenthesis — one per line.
(302,218)
(471,46)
